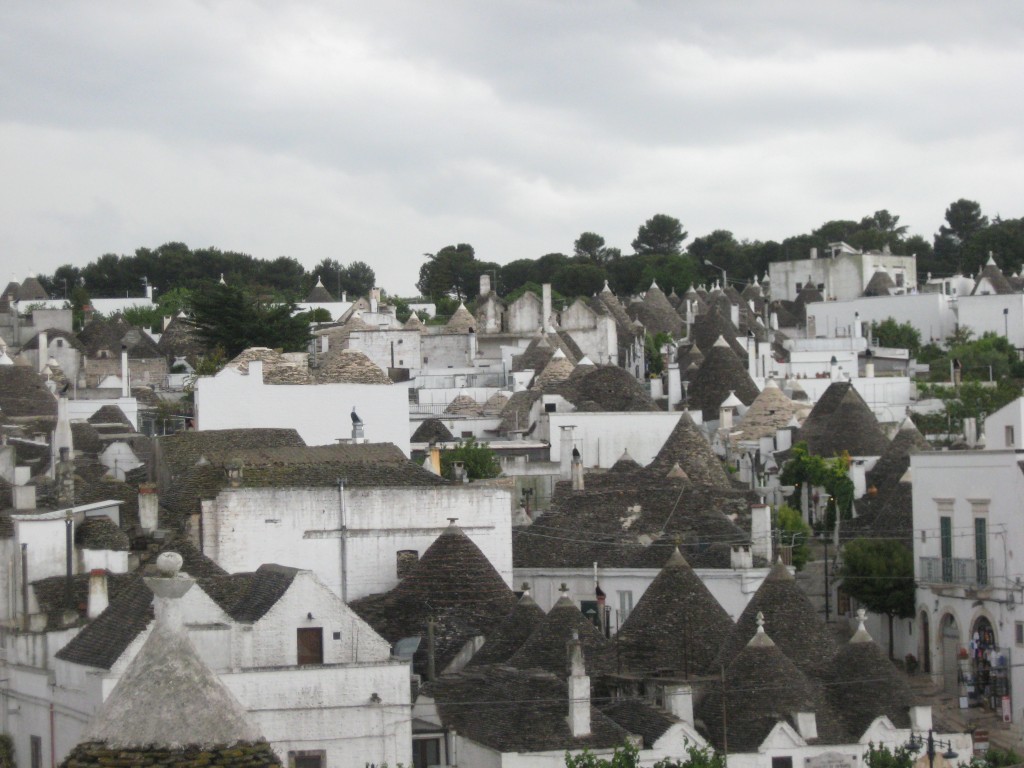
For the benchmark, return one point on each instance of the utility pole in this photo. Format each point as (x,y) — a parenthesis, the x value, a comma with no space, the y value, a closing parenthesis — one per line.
(828,611)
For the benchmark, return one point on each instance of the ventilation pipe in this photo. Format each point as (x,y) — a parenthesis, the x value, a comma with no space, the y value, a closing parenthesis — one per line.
(125,385)
(579,690)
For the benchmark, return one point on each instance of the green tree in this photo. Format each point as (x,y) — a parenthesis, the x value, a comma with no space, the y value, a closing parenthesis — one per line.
(793,531)
(357,278)
(652,352)
(590,247)
(480,460)
(579,280)
(993,758)
(883,757)
(879,573)
(628,756)
(899,335)
(832,474)
(660,234)
(452,271)
(229,318)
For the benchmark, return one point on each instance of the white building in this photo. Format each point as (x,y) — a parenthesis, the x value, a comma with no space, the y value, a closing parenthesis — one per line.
(842,274)
(320,412)
(967,532)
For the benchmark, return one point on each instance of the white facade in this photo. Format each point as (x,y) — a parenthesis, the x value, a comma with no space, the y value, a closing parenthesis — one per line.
(932,314)
(351,539)
(319,412)
(968,534)
(602,437)
(1001,314)
(844,275)
(327,707)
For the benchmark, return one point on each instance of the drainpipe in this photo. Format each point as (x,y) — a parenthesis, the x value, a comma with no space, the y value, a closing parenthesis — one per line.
(344,540)
(24,584)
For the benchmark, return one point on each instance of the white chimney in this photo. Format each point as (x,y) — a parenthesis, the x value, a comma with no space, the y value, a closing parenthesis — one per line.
(761,530)
(783,439)
(325,343)
(679,701)
(675,386)
(374,299)
(24,496)
(579,690)
(149,507)
(858,327)
(98,600)
(577,470)
(806,725)
(740,557)
(657,389)
(125,385)
(833,369)
(565,452)
(921,718)
(545,323)
(485,285)
(472,345)
(44,347)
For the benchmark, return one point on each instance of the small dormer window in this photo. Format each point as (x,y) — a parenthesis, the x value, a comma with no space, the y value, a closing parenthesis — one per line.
(60,342)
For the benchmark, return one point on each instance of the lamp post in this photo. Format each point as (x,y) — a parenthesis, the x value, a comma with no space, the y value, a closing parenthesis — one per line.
(917,741)
(1006,322)
(725,277)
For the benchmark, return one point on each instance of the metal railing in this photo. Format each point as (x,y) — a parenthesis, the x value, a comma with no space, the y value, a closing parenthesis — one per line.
(956,570)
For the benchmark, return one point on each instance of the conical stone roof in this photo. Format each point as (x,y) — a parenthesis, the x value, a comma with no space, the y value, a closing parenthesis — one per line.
(721,372)
(868,686)
(880,284)
(657,314)
(687,447)
(168,705)
(712,325)
(894,463)
(349,366)
(790,619)
(558,369)
(677,625)
(545,648)
(763,687)
(414,323)
(464,405)
(770,412)
(431,431)
(319,294)
(841,421)
(455,584)
(461,321)
(509,636)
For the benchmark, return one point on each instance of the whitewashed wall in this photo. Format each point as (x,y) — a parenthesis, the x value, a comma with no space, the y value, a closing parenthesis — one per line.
(602,437)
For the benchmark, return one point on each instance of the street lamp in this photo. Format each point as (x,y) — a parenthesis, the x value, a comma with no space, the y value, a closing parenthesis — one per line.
(1006,322)
(917,741)
(725,277)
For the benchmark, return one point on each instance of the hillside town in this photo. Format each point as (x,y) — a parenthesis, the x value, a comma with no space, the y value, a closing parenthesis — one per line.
(513,535)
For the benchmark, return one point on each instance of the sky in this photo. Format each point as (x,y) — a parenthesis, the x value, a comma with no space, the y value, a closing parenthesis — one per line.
(382,131)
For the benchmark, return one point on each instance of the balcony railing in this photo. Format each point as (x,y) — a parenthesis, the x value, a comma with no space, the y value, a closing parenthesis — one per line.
(956,570)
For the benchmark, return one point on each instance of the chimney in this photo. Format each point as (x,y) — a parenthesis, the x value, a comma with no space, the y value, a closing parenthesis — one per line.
(545,323)
(761,530)
(577,470)
(125,385)
(24,496)
(471,345)
(814,253)
(833,369)
(167,589)
(167,321)
(579,690)
(435,458)
(235,473)
(858,327)
(324,344)
(740,557)
(921,718)
(679,701)
(806,725)
(98,600)
(485,285)
(43,350)
(62,436)
(344,296)
(675,386)
(783,439)
(459,472)
(65,479)
(374,299)
(565,451)
(149,507)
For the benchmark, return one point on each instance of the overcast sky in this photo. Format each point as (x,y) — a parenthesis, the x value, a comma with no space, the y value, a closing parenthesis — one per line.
(383,132)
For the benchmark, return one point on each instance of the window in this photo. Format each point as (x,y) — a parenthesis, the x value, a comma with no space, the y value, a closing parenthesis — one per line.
(307,758)
(782,762)
(549,407)
(946,547)
(899,279)
(1009,436)
(35,745)
(405,561)
(426,752)
(981,549)
(310,645)
(1019,633)
(625,604)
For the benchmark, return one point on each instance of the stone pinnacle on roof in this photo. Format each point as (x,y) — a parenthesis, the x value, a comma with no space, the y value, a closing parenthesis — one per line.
(168,698)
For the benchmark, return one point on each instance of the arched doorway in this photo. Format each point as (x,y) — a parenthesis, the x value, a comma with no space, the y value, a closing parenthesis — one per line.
(984,652)
(924,643)
(949,642)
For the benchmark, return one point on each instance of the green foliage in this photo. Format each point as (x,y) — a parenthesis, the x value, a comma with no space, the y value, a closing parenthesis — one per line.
(660,234)
(996,758)
(882,757)
(6,751)
(628,756)
(229,318)
(652,352)
(879,573)
(590,247)
(830,474)
(318,315)
(578,280)
(900,335)
(480,460)
(453,271)
(969,400)
(794,531)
